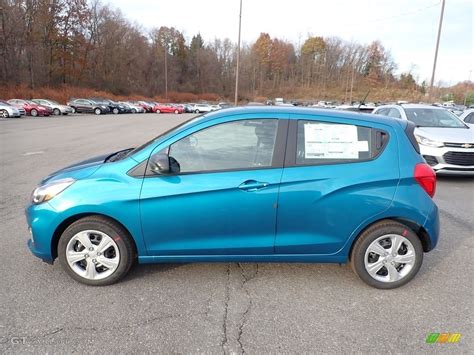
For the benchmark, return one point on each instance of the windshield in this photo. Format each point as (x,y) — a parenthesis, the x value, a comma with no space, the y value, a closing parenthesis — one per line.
(428,117)
(182,125)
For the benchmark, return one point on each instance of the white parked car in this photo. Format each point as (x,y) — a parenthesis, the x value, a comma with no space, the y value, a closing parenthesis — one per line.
(200,108)
(446,142)
(468,117)
(57,108)
(7,110)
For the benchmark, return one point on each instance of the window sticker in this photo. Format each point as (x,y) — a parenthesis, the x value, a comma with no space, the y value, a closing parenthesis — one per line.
(331,141)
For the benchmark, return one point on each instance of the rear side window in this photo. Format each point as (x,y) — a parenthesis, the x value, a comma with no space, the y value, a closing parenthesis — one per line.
(325,143)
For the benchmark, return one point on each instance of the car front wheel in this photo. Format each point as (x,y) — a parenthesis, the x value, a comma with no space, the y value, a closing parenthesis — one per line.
(34,113)
(3,114)
(56,112)
(96,251)
(97,111)
(115,111)
(387,255)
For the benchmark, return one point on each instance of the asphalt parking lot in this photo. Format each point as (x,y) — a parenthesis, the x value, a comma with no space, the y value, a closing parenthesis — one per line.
(214,308)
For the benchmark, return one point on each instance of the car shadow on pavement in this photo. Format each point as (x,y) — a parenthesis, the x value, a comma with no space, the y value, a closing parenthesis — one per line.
(142,270)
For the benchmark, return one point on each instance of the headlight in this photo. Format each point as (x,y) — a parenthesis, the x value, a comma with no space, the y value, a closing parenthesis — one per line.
(428,142)
(49,190)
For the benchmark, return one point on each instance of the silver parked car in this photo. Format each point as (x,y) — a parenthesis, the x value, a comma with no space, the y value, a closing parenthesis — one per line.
(446,142)
(468,117)
(7,110)
(57,108)
(132,107)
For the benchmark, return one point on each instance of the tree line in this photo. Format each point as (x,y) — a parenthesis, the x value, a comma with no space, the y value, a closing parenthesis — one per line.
(89,44)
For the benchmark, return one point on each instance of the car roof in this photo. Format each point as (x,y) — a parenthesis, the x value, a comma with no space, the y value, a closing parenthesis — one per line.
(302,111)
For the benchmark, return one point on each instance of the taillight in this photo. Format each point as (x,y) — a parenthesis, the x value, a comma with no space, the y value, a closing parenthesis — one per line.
(426,177)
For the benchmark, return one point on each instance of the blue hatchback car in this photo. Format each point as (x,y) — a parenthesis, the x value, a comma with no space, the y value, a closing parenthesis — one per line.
(255,184)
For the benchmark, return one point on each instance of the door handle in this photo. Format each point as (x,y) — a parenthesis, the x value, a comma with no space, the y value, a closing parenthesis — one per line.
(252,185)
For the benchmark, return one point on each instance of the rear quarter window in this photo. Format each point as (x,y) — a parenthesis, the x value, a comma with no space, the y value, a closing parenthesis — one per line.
(320,143)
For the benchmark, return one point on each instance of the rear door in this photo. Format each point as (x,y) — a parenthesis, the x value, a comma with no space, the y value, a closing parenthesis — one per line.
(338,173)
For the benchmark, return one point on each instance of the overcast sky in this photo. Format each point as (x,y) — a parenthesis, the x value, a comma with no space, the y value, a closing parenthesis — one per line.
(405,27)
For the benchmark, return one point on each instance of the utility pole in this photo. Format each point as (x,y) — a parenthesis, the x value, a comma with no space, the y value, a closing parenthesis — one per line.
(352,84)
(437,46)
(236,99)
(166,72)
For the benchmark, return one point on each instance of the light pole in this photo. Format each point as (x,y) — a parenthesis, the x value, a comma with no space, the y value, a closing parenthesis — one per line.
(236,99)
(437,46)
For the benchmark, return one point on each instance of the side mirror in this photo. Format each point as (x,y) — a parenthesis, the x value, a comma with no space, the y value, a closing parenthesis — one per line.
(163,164)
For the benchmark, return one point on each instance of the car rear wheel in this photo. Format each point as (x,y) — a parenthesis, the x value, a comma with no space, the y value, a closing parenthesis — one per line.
(158,111)
(96,251)
(134,111)
(4,114)
(196,111)
(176,112)
(387,255)
(115,111)
(34,113)
(97,111)
(56,112)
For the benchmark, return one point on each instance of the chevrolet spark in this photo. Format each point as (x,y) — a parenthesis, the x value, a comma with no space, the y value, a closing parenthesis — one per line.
(249,184)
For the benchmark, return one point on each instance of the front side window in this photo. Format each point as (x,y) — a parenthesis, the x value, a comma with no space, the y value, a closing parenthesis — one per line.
(324,143)
(246,144)
(469,118)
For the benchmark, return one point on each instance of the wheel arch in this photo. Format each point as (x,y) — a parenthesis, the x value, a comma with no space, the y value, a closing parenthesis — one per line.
(416,227)
(70,220)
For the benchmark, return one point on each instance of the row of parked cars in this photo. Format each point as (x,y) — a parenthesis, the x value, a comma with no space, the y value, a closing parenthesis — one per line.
(98,106)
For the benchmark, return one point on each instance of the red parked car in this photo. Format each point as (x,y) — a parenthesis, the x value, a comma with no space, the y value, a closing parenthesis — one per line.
(167,108)
(31,108)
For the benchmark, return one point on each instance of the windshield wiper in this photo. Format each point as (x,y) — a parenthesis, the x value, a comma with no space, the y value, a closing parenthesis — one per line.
(118,155)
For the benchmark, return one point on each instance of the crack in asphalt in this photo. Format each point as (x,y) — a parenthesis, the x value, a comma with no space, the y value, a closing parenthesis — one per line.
(226,309)
(119,327)
(243,319)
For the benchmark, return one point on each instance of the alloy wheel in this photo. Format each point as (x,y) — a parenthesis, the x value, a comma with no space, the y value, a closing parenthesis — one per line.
(92,255)
(389,258)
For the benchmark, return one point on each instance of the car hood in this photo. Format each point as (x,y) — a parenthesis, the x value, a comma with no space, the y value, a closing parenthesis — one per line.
(452,135)
(80,170)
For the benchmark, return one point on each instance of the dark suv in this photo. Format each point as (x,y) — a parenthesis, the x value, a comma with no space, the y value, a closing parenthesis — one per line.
(88,106)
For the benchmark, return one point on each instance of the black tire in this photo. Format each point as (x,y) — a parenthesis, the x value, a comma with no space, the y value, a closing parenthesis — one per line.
(34,112)
(115,111)
(4,114)
(158,111)
(56,112)
(196,111)
(134,111)
(121,237)
(97,111)
(375,231)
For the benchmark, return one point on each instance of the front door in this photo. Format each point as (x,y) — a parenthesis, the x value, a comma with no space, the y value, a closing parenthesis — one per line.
(224,200)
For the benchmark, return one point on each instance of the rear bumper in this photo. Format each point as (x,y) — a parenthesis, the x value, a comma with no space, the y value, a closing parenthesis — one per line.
(432,227)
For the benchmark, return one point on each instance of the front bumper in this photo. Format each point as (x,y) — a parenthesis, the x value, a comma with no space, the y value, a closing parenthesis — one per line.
(42,222)
(449,159)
